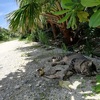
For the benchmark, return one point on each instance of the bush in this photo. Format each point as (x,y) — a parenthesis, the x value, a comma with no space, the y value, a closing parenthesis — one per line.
(4,34)
(43,38)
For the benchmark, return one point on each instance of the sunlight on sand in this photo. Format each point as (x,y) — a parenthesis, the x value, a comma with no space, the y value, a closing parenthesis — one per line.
(11,60)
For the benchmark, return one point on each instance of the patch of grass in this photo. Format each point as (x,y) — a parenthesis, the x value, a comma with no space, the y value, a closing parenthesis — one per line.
(64,48)
(43,38)
(96,88)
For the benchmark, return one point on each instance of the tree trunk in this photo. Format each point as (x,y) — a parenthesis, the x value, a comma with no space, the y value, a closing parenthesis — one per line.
(67,36)
(55,31)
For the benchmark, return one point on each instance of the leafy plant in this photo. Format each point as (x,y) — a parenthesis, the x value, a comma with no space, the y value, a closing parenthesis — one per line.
(96,88)
(88,49)
(64,48)
(23,36)
(5,34)
(31,37)
(25,17)
(94,19)
(90,3)
(73,10)
(28,14)
(43,38)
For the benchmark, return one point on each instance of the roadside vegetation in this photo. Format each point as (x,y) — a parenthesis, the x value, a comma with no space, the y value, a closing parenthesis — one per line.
(6,35)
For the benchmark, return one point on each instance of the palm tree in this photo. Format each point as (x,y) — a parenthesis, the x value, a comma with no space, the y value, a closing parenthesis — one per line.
(53,19)
(25,17)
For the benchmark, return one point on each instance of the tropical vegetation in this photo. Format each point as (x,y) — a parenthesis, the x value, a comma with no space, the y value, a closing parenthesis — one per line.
(74,22)
(6,35)
(65,15)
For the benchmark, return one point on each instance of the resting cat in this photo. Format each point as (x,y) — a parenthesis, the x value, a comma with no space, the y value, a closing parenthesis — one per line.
(77,64)
(63,60)
(86,68)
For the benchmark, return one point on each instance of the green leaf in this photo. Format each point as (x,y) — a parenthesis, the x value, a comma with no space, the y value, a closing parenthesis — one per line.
(96,8)
(74,26)
(65,2)
(80,7)
(95,19)
(70,21)
(83,16)
(90,3)
(96,88)
(65,18)
(76,1)
(69,4)
(98,78)
(60,12)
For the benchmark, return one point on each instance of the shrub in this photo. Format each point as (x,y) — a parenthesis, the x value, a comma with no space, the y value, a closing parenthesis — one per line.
(43,38)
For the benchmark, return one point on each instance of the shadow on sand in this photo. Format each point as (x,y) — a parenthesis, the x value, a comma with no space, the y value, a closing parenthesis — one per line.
(28,85)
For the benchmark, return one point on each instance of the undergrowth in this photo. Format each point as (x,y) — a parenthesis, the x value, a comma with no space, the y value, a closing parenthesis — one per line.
(96,88)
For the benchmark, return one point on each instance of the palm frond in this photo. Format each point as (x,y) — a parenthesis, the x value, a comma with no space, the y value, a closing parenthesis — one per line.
(24,16)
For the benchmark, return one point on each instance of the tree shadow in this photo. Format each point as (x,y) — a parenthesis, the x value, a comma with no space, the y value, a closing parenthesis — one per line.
(27,85)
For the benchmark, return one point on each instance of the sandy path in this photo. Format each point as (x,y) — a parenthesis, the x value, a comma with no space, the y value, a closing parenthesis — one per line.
(19,81)
(10,57)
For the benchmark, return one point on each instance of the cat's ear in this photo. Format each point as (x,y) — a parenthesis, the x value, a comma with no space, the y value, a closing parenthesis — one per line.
(90,63)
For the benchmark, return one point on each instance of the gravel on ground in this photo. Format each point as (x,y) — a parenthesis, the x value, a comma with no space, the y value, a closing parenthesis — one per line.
(19,79)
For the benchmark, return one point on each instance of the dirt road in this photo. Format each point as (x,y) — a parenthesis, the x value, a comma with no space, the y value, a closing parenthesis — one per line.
(19,80)
(10,57)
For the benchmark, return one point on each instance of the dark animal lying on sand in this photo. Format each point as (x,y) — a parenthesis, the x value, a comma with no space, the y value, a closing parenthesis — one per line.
(74,63)
(77,64)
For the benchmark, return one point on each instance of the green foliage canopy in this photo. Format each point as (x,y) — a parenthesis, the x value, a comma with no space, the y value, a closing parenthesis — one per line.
(24,17)
(95,17)
(76,11)
(90,3)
